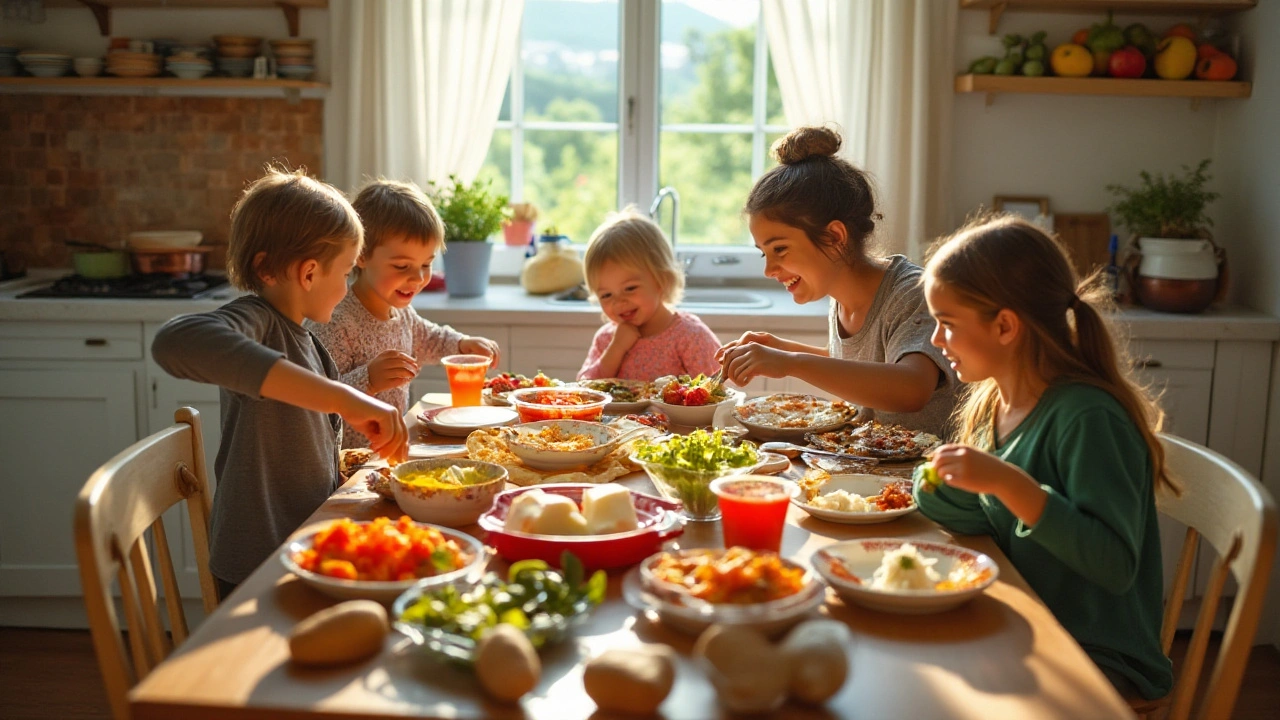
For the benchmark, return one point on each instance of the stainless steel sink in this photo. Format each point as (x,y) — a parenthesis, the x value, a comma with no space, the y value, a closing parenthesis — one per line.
(716,298)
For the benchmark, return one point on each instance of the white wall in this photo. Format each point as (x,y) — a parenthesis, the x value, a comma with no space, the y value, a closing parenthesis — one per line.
(75,32)
(1068,148)
(1247,155)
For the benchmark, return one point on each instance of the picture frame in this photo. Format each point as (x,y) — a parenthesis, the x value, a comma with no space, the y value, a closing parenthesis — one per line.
(1029,207)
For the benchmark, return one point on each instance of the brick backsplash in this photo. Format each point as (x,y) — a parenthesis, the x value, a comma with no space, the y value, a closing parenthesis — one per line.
(97,167)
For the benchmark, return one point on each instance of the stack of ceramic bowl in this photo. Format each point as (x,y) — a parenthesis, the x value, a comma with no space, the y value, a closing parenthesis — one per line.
(294,58)
(236,54)
(126,63)
(8,61)
(188,66)
(88,66)
(45,65)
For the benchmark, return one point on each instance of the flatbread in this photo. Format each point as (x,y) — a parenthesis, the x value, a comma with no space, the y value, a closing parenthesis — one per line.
(488,445)
(794,411)
(874,439)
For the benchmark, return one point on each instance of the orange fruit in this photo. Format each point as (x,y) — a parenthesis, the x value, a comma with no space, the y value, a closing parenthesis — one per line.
(1216,67)
(1181,30)
(1081,37)
(1071,60)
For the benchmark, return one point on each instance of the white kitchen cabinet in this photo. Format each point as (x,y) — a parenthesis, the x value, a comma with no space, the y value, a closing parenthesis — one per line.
(555,350)
(57,425)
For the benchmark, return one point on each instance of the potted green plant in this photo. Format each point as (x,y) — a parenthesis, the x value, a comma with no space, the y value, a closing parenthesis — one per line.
(1180,264)
(471,213)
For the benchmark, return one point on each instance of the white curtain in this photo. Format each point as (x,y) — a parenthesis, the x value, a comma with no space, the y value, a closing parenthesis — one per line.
(417,86)
(881,72)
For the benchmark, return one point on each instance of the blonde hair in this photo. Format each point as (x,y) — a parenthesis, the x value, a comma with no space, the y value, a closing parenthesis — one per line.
(388,208)
(1005,262)
(283,218)
(633,240)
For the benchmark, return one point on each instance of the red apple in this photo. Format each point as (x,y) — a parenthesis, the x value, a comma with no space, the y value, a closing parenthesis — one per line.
(1127,62)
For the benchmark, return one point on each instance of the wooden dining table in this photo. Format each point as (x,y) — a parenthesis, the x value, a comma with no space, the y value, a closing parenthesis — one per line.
(1002,655)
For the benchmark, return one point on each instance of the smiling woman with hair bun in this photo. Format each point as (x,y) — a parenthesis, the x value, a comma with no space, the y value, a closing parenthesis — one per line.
(812,217)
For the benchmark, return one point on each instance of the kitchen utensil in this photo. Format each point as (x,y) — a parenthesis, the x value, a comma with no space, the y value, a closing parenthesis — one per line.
(89,245)
(793,450)
(100,262)
(180,262)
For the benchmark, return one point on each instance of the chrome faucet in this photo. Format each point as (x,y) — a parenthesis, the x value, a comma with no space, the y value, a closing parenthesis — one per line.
(670,192)
(665,192)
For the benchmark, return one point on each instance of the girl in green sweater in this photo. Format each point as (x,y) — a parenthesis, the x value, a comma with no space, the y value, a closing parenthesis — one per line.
(1057,456)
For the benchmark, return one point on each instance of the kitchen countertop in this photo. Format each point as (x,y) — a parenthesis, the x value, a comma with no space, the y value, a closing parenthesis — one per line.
(507,304)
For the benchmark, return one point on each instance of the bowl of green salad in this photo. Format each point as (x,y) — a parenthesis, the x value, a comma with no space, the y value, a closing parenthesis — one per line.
(683,466)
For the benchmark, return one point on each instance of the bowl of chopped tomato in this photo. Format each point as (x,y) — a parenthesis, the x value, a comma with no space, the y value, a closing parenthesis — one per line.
(379,559)
(691,589)
(536,404)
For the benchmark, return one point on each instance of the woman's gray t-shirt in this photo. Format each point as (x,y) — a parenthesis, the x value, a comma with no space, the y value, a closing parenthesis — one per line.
(898,324)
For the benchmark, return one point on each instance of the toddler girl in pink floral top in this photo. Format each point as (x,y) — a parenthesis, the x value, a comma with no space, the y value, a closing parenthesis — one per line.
(633,274)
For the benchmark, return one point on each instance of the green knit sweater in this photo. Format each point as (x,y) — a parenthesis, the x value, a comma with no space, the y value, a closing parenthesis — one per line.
(1094,557)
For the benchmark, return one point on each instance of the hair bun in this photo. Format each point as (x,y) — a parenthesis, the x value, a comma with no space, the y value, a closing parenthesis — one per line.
(806,142)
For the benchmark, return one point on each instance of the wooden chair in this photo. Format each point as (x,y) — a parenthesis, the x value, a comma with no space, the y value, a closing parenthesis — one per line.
(1236,516)
(115,507)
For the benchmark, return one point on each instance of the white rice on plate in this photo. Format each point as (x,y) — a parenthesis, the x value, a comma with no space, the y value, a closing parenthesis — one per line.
(905,569)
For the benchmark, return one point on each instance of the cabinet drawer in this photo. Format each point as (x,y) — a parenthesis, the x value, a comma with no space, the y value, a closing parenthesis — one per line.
(70,341)
(1173,354)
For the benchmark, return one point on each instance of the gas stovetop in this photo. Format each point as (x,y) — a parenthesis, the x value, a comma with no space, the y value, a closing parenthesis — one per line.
(159,286)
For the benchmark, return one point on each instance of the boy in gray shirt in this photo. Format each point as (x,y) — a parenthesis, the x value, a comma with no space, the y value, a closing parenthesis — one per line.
(293,242)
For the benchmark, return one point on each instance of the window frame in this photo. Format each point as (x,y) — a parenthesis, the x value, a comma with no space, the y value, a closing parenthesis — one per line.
(639,128)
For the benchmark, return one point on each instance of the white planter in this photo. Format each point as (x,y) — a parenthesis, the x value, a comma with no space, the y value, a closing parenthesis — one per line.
(1177,259)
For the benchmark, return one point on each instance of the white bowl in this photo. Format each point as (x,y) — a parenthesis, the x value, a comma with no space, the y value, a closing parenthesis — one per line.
(548,459)
(690,615)
(385,591)
(451,506)
(865,485)
(696,415)
(862,557)
(164,238)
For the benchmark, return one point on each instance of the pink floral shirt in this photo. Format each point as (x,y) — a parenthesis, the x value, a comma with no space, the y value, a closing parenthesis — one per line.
(686,347)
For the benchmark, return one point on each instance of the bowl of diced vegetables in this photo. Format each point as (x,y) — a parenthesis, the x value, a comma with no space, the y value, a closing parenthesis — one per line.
(692,401)
(683,466)
(380,559)
(545,603)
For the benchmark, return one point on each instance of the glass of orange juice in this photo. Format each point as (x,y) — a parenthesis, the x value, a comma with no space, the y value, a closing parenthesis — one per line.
(466,377)
(753,510)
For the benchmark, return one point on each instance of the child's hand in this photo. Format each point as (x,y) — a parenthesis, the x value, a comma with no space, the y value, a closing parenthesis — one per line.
(391,369)
(971,469)
(759,338)
(625,336)
(381,423)
(743,363)
(479,346)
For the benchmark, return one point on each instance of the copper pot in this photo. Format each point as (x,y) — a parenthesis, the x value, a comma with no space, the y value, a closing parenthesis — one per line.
(176,262)
(1176,296)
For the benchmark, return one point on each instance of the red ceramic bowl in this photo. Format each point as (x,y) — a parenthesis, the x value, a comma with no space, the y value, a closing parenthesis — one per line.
(658,523)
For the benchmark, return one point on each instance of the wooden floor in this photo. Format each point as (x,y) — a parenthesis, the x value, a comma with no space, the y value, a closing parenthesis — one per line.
(53,675)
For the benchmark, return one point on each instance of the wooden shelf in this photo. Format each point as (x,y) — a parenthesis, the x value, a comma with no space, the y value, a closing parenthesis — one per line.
(996,8)
(1194,89)
(102,8)
(291,89)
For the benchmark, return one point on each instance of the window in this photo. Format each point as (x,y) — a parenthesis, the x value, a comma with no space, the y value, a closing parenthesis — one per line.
(698,100)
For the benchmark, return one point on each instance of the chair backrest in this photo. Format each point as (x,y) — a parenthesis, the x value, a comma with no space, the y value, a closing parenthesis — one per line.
(123,498)
(1235,515)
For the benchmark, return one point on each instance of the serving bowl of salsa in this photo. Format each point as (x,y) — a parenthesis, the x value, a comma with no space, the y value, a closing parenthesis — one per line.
(534,404)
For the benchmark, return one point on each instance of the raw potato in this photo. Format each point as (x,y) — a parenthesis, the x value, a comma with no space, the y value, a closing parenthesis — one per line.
(749,674)
(815,652)
(632,680)
(506,663)
(345,633)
